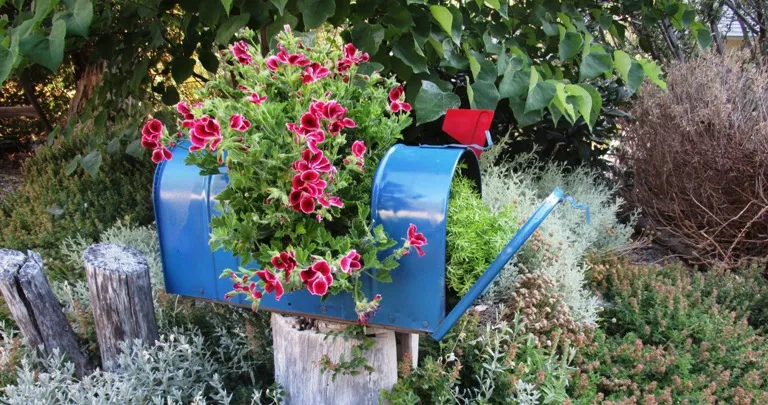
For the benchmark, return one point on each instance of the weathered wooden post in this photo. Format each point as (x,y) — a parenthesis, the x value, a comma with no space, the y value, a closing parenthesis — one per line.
(121,298)
(296,351)
(34,306)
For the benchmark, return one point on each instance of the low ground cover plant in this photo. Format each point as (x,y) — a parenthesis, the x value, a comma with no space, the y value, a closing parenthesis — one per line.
(52,204)
(669,336)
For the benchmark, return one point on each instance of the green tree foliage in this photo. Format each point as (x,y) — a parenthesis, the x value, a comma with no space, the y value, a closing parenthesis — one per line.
(536,59)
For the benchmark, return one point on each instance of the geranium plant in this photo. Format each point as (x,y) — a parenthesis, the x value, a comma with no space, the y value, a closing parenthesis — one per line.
(299,133)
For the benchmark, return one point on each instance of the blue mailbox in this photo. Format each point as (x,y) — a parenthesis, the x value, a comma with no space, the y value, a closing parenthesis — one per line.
(412,184)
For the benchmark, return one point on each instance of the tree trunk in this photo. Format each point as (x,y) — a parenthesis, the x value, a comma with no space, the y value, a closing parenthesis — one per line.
(88,77)
(29,92)
(296,351)
(672,42)
(121,298)
(35,308)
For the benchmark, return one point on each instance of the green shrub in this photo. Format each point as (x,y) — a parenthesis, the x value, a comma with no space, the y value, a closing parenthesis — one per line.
(475,235)
(668,336)
(52,205)
(494,364)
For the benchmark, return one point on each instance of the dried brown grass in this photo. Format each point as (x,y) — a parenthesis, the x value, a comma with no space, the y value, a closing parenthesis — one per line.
(699,154)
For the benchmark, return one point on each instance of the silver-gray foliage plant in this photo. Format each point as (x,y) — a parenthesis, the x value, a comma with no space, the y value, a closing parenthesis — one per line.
(525,183)
(181,368)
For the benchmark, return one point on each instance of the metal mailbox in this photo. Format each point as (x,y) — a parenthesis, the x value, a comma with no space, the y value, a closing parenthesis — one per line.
(412,184)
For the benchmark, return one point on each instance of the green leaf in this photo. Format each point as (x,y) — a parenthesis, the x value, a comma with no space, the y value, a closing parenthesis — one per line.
(79,19)
(522,117)
(689,16)
(315,12)
(432,102)
(91,163)
(49,51)
(405,50)
(703,35)
(494,4)
(230,27)
(595,64)
(8,58)
(653,71)
(570,45)
(561,103)
(367,37)
(606,21)
(135,149)
(280,4)
(444,18)
(540,93)
(72,165)
(628,69)
(227,5)
(113,146)
(597,103)
(171,96)
(139,73)
(583,101)
(514,84)
(52,136)
(182,68)
(209,60)
(485,96)
(398,16)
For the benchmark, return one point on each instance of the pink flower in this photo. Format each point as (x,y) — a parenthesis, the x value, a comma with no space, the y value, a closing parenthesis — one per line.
(334,111)
(285,261)
(254,98)
(314,138)
(342,65)
(272,63)
(206,131)
(239,123)
(314,72)
(240,50)
(415,240)
(184,110)
(271,283)
(395,104)
(327,202)
(161,153)
(298,59)
(309,182)
(367,311)
(317,277)
(310,122)
(301,201)
(153,129)
(351,53)
(358,149)
(350,262)
(312,161)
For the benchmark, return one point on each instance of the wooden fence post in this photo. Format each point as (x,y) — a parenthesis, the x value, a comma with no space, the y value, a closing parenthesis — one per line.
(121,298)
(35,308)
(296,352)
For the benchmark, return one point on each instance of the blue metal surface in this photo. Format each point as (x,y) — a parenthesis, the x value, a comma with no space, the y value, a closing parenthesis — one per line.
(411,185)
(495,268)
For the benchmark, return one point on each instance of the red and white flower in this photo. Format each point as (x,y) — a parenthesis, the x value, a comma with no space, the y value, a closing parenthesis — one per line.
(256,99)
(350,262)
(205,132)
(240,51)
(271,283)
(317,277)
(395,103)
(314,72)
(239,123)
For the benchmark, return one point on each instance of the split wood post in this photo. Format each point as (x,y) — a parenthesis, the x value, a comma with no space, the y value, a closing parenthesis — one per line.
(296,352)
(121,298)
(35,308)
(407,345)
